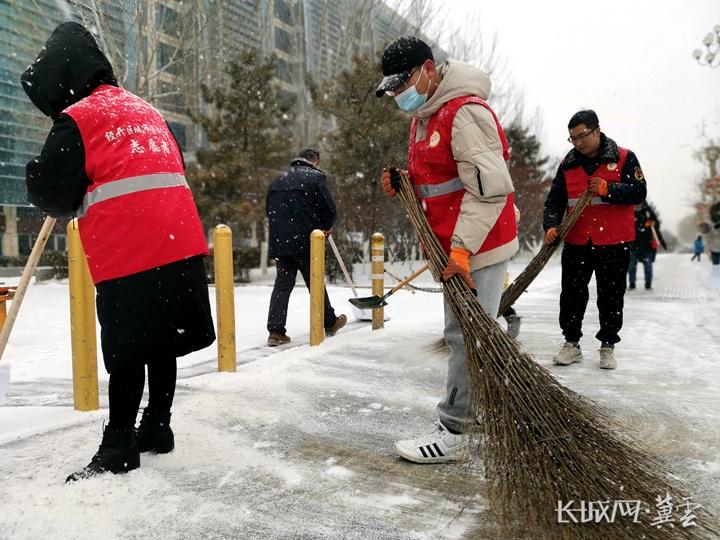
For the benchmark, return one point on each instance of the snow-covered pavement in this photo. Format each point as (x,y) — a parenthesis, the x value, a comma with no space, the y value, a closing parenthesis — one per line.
(299,442)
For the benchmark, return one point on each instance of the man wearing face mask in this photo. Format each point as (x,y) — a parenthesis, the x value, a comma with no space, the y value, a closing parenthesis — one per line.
(457,158)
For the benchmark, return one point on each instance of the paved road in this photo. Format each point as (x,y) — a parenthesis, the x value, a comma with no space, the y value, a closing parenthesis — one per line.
(298,443)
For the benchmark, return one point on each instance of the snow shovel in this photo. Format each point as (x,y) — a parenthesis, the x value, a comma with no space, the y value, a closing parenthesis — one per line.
(19,295)
(375,301)
(360,314)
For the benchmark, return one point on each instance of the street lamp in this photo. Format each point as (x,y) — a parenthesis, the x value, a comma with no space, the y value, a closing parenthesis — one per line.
(711,56)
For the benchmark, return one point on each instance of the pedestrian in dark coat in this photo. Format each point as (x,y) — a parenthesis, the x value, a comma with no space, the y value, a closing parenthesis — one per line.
(599,242)
(111,160)
(699,248)
(647,238)
(297,202)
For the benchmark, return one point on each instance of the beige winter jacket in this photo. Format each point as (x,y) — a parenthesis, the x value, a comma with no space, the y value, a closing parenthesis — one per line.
(478,151)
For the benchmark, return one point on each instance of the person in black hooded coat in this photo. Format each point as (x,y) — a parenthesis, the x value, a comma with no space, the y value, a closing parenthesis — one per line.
(149,317)
(644,249)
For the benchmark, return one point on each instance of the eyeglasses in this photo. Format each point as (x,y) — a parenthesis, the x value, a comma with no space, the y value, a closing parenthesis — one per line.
(575,138)
(404,86)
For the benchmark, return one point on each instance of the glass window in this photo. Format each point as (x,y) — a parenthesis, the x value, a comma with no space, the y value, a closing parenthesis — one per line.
(60,242)
(282,70)
(283,41)
(167,59)
(167,20)
(25,243)
(283,12)
(169,97)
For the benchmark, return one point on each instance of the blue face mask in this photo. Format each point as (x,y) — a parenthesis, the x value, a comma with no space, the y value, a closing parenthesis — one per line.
(410,100)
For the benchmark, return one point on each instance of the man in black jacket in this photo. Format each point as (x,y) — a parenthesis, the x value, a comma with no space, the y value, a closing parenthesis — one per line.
(297,202)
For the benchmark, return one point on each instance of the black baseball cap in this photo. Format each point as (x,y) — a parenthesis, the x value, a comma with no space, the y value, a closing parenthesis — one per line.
(399,59)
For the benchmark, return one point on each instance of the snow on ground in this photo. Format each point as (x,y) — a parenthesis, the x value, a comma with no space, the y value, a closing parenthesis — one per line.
(299,442)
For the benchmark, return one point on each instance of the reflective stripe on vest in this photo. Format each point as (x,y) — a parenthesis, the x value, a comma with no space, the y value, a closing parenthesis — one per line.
(133,184)
(594,201)
(425,191)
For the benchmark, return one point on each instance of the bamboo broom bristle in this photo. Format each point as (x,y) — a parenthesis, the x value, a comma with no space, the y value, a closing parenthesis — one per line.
(542,443)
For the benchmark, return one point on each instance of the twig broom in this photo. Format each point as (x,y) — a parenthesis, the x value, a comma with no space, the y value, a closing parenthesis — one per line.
(521,283)
(526,277)
(544,446)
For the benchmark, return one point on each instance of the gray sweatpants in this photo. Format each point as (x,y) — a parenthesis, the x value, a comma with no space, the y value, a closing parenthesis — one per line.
(453,410)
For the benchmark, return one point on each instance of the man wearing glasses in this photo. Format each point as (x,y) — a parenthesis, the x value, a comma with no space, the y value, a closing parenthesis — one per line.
(601,239)
(457,162)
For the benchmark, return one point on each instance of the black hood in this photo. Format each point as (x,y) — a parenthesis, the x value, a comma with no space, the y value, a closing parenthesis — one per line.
(69,67)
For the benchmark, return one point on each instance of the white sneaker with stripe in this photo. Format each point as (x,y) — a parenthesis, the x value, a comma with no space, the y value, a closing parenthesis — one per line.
(439,446)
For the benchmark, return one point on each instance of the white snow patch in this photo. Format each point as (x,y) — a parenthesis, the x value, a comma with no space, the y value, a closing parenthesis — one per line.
(339,472)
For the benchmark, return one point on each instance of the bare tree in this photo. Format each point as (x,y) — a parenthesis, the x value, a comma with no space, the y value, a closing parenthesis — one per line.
(158,48)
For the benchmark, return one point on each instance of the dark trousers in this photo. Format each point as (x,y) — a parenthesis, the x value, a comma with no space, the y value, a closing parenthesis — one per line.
(610,264)
(125,390)
(287,269)
(647,262)
(698,256)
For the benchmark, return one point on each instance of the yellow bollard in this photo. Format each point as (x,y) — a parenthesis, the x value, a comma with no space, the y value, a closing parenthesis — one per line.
(317,287)
(378,277)
(225,296)
(82,324)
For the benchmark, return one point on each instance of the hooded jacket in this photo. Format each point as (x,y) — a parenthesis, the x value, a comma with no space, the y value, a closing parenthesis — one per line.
(157,309)
(478,151)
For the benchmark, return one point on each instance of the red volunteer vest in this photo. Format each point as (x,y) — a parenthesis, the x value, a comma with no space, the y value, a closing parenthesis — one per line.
(138,212)
(434,174)
(601,222)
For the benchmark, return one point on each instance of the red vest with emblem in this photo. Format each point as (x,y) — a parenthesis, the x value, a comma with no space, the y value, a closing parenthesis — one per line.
(601,222)
(434,174)
(138,212)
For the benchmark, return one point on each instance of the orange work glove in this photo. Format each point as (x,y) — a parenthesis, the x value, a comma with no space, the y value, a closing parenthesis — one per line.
(551,235)
(459,263)
(390,185)
(598,186)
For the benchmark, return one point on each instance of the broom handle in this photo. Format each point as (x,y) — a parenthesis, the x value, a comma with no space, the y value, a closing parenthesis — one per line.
(654,235)
(342,265)
(408,279)
(25,281)
(513,292)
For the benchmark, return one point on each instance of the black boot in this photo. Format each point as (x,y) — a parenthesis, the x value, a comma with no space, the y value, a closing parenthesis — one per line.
(118,453)
(154,433)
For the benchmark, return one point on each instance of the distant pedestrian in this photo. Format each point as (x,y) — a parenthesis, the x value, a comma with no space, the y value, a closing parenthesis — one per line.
(647,238)
(699,248)
(600,240)
(298,202)
(111,159)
